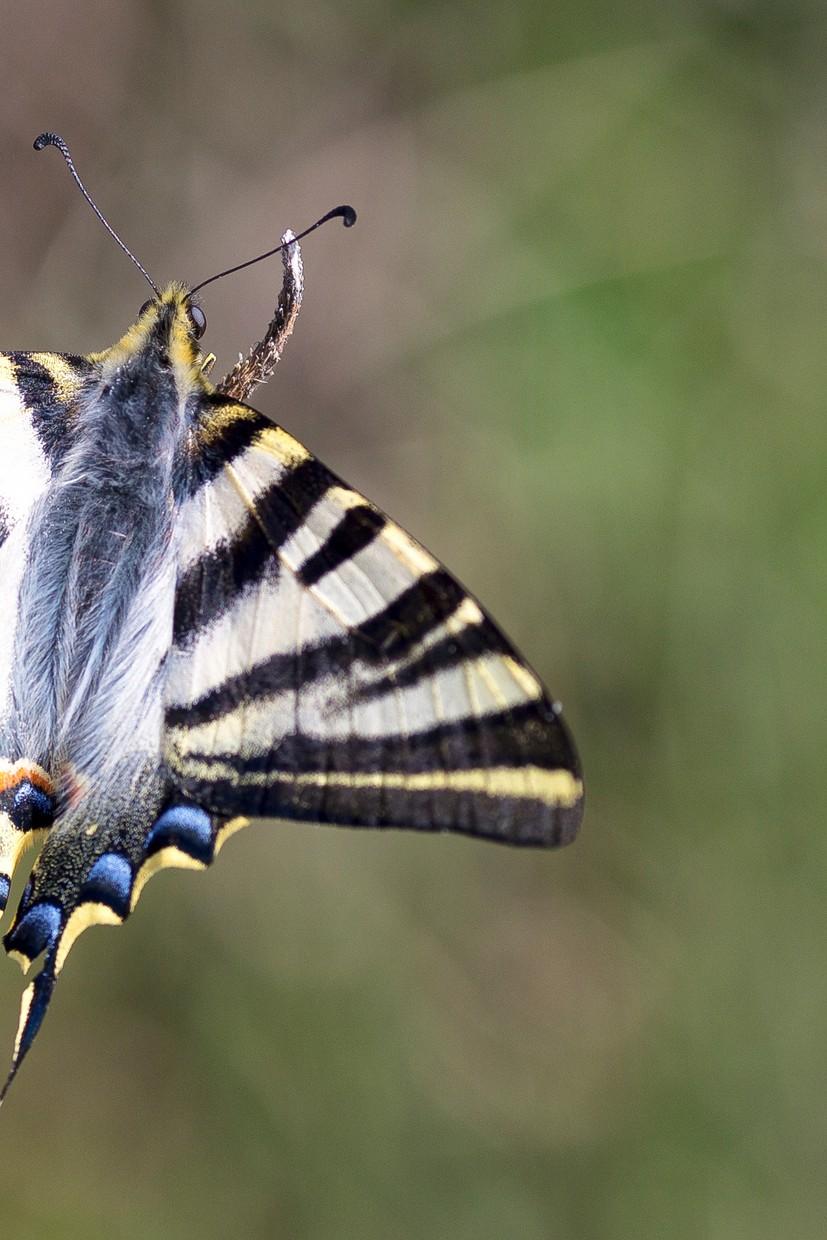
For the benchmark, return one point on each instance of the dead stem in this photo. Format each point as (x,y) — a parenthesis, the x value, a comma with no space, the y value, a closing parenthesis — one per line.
(263,357)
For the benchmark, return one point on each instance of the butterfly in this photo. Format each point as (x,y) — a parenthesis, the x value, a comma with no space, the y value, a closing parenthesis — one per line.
(204,627)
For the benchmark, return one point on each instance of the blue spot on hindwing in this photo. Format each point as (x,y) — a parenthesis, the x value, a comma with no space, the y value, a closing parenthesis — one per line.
(185,826)
(36,931)
(109,881)
(34,802)
(28,807)
(5,887)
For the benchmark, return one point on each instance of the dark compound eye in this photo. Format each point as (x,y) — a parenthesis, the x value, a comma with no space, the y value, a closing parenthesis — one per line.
(198,319)
(145,306)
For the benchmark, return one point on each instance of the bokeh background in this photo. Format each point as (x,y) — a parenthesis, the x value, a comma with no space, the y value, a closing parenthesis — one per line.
(575,343)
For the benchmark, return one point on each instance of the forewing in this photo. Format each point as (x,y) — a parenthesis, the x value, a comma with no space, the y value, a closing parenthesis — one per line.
(326,667)
(37,395)
(38,392)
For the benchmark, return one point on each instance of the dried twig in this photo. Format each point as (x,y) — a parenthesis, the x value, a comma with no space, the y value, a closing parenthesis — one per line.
(263,358)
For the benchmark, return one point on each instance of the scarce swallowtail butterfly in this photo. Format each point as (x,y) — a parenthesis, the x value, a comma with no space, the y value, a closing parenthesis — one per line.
(202,626)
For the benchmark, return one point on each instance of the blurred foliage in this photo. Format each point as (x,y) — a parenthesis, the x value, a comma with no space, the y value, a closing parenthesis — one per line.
(576,344)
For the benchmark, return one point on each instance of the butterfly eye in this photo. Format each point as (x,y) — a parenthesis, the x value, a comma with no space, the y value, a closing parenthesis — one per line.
(145,306)
(198,319)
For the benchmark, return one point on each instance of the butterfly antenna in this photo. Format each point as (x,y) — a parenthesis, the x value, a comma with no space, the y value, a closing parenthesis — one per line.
(53,139)
(345,213)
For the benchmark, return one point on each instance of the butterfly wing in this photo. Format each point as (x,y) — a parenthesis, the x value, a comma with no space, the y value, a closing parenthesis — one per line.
(38,393)
(86,875)
(325,666)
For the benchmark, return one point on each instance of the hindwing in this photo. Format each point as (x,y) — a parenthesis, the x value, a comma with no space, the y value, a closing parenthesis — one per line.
(326,667)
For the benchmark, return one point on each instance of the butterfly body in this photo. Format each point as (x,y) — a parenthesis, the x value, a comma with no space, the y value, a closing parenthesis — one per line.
(94,612)
(203,626)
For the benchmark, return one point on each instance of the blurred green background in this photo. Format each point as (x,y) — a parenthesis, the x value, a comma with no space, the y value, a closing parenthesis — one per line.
(575,344)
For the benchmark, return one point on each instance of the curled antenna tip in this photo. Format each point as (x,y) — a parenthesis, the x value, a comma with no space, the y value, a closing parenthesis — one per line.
(54,139)
(345,213)
(49,139)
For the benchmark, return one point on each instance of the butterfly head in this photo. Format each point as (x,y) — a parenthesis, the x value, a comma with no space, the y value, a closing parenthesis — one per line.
(177,297)
(166,334)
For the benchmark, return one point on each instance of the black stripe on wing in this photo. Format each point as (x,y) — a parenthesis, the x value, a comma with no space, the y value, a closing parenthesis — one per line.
(529,734)
(388,635)
(471,642)
(356,530)
(225,429)
(217,579)
(501,818)
(46,402)
(457,776)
